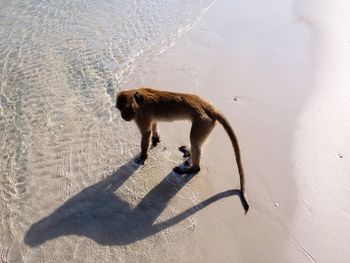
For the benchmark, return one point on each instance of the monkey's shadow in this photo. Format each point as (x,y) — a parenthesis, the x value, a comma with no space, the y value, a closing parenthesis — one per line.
(99,213)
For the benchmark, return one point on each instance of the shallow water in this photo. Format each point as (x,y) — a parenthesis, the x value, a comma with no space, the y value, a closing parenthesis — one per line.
(61,63)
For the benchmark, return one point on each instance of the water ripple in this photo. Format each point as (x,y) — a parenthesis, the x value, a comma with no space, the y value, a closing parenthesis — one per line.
(61,63)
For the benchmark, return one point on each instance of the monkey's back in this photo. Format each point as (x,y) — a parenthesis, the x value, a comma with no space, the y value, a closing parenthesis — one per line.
(168,106)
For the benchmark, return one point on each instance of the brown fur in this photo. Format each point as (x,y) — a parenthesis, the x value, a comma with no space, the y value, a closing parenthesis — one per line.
(148,106)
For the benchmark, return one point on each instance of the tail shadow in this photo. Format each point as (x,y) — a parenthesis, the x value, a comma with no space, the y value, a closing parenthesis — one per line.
(99,213)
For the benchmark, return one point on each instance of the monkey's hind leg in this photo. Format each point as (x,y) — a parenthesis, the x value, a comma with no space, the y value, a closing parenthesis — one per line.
(185,150)
(186,154)
(155,135)
(199,132)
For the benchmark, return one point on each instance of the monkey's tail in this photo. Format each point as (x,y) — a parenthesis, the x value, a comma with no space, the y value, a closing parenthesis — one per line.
(224,122)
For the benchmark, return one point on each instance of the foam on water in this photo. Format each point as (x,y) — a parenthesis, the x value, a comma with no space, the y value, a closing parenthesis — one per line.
(61,63)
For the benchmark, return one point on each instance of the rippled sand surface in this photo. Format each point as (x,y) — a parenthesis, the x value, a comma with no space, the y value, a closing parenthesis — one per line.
(66,184)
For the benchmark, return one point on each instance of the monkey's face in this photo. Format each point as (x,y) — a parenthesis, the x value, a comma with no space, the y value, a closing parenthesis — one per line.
(127,105)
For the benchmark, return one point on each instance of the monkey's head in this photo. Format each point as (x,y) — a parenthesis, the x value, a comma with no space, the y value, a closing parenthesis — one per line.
(128,103)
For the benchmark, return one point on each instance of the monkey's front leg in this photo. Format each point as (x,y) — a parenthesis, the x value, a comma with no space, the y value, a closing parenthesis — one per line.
(155,134)
(145,141)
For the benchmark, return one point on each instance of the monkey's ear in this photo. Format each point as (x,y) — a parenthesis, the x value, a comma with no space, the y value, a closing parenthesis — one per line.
(138,97)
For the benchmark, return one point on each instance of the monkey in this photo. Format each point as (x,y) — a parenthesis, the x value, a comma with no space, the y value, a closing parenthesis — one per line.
(147,106)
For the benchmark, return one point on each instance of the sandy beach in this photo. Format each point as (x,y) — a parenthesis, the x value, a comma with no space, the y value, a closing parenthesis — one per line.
(278,70)
(273,70)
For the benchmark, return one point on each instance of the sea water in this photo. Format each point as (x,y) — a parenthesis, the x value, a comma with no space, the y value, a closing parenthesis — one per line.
(61,141)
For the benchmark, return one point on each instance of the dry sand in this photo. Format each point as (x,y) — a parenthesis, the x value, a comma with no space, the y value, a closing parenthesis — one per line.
(278,70)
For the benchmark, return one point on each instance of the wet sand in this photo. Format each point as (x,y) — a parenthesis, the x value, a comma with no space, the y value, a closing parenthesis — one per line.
(274,71)
(279,73)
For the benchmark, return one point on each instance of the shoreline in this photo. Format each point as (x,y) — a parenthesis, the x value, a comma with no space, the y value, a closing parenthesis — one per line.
(278,70)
